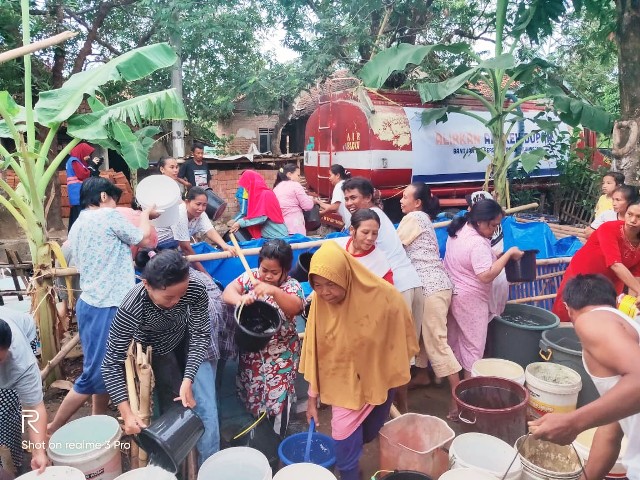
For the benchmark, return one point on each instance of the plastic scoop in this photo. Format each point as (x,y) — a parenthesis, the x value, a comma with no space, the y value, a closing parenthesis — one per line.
(307,451)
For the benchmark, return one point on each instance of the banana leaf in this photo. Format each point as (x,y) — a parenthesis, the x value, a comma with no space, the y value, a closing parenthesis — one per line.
(55,106)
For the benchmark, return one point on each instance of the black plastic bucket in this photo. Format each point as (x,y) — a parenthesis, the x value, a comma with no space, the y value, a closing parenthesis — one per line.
(215,205)
(171,437)
(312,218)
(261,436)
(242,235)
(523,270)
(301,269)
(256,323)
(406,475)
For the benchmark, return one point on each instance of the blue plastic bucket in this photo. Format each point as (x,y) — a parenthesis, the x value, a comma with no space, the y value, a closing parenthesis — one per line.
(323,449)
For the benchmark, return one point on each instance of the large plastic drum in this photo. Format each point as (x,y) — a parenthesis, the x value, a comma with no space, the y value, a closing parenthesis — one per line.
(552,389)
(236,463)
(516,334)
(498,367)
(54,473)
(547,461)
(147,473)
(492,405)
(485,453)
(304,471)
(90,444)
(562,346)
(583,444)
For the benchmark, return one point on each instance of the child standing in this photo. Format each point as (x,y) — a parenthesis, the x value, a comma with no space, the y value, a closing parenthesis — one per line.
(610,182)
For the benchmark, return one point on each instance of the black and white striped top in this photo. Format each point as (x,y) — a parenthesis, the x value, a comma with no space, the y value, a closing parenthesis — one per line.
(140,319)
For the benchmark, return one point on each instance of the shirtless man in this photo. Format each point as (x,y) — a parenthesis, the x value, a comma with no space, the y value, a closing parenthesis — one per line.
(611,355)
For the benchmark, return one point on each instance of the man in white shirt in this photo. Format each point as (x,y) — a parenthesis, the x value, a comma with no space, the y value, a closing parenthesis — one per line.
(358,193)
(611,355)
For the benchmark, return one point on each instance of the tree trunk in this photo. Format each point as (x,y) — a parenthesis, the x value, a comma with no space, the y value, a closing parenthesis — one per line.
(283,119)
(625,146)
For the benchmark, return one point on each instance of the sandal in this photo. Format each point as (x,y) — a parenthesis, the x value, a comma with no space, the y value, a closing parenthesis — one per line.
(453,417)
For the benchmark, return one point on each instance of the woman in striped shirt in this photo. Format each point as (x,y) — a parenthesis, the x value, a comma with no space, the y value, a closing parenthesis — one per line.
(169,312)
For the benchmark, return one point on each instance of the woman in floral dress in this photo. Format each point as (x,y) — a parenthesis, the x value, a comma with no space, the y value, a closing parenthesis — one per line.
(266,378)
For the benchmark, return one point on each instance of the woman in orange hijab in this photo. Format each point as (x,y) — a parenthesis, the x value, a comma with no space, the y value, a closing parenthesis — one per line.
(357,349)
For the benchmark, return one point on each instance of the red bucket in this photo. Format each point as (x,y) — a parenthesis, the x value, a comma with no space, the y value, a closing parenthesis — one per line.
(492,405)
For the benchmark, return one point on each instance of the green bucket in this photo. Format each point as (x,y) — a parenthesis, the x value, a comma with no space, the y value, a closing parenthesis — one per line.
(516,334)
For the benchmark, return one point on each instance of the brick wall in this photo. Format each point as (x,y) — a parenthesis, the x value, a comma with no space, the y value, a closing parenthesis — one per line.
(245,130)
(226,184)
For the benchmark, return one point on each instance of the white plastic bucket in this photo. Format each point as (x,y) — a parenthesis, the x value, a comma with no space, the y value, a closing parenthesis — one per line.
(90,444)
(54,473)
(486,453)
(304,471)
(236,463)
(498,367)
(147,473)
(552,462)
(583,446)
(164,193)
(552,388)
(466,474)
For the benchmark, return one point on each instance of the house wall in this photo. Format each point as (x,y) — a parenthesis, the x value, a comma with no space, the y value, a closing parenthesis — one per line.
(245,130)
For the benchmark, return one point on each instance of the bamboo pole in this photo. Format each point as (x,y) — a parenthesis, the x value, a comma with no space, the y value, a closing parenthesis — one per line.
(35,46)
(145,375)
(316,243)
(533,299)
(129,366)
(243,260)
(550,275)
(7,461)
(250,251)
(553,261)
(508,211)
(64,351)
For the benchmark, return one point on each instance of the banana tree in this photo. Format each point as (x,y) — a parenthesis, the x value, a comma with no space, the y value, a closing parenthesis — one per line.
(107,125)
(502,76)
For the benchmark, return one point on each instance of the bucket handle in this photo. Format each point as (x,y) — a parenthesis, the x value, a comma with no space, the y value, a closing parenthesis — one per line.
(548,356)
(466,420)
(375,475)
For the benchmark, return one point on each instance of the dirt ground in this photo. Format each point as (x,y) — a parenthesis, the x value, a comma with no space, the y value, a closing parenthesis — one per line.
(431,400)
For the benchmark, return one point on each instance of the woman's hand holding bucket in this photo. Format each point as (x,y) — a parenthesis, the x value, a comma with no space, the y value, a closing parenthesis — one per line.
(312,411)
(133,424)
(186,394)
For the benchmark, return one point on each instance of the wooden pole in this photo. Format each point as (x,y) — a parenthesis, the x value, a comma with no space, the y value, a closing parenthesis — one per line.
(64,351)
(533,299)
(35,46)
(508,211)
(316,243)
(250,251)
(243,260)
(553,261)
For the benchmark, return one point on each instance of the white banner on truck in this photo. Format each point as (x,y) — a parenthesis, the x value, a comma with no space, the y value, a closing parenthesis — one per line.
(444,152)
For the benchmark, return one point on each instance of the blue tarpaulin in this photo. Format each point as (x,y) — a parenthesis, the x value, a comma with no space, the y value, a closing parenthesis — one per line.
(526,236)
